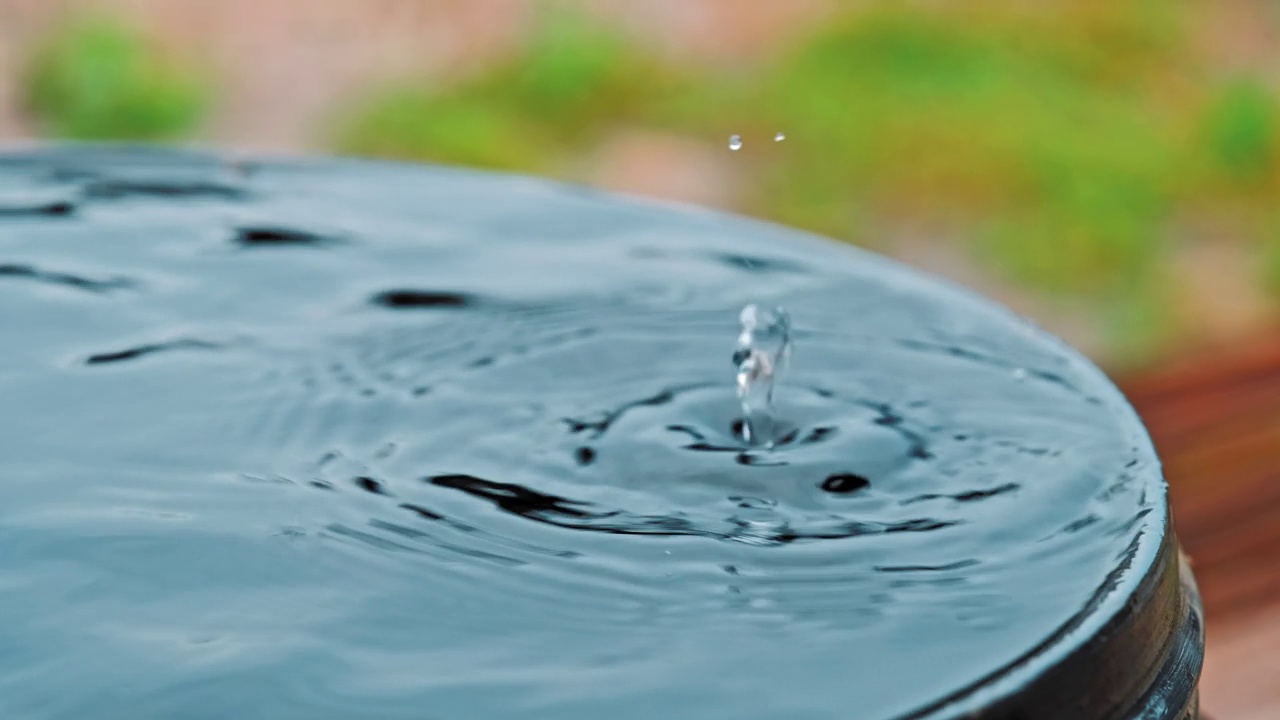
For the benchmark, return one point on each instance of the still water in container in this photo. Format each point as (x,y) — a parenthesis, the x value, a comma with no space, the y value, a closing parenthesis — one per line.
(336,440)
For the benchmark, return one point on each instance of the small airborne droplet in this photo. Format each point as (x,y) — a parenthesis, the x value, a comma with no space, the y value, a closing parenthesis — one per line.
(779,137)
(1020,374)
(735,142)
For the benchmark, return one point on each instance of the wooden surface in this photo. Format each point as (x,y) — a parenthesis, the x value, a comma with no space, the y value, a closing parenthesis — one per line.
(1215,420)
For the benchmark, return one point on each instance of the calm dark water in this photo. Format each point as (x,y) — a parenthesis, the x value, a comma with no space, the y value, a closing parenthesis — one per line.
(343,440)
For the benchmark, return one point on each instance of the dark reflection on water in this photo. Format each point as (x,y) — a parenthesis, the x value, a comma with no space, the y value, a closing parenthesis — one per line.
(77,282)
(140,351)
(52,208)
(414,299)
(274,236)
(842,483)
(480,458)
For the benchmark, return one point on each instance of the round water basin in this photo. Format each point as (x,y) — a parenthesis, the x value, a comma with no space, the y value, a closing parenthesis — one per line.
(336,439)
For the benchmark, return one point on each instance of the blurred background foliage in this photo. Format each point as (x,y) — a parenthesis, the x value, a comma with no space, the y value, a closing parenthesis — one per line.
(96,77)
(1070,151)
(572,79)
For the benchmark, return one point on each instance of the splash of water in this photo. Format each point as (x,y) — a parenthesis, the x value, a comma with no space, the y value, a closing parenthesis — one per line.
(764,350)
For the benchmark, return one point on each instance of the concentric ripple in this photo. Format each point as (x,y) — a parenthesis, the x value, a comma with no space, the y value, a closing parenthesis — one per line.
(464,446)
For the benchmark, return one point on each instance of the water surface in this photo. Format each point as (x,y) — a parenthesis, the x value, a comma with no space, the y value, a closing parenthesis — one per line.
(335,440)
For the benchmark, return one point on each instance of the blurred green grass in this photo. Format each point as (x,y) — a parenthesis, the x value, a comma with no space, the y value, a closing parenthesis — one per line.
(94,77)
(573,80)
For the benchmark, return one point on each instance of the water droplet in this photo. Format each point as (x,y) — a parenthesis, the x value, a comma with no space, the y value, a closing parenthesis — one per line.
(1020,374)
(764,349)
(735,142)
(779,137)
